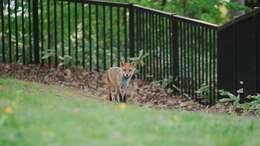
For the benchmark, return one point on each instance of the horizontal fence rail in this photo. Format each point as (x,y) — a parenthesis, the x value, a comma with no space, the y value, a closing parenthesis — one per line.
(97,35)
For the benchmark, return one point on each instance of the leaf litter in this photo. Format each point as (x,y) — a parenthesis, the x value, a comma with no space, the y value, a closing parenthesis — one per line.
(142,93)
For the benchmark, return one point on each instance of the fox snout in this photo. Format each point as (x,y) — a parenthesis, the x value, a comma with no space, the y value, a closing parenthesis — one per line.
(127,75)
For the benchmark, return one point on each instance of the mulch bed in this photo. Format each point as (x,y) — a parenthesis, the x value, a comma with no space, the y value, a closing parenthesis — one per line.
(142,93)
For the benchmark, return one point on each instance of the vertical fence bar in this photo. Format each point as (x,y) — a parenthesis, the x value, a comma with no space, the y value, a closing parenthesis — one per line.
(147,63)
(202,80)
(76,31)
(207,62)
(111,35)
(23,33)
(55,33)
(192,59)
(211,66)
(206,57)
(83,34)
(215,62)
(196,59)
(200,56)
(30,32)
(168,38)
(131,30)
(125,32)
(187,80)
(3,31)
(138,37)
(97,39)
(69,40)
(156,47)
(175,49)
(143,41)
(160,46)
(186,67)
(42,31)
(36,31)
(104,38)
(151,45)
(9,32)
(118,36)
(16,32)
(181,55)
(62,29)
(89,37)
(257,21)
(49,31)
(164,27)
(184,60)
(171,46)
(190,67)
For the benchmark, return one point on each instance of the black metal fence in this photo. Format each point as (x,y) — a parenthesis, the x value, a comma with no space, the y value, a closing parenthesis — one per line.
(97,35)
(239,54)
(179,47)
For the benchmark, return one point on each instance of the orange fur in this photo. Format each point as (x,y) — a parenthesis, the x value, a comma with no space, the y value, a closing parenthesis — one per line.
(117,78)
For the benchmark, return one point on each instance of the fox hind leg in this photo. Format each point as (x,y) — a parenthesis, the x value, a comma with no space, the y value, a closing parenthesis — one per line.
(124,98)
(110,93)
(120,97)
(110,96)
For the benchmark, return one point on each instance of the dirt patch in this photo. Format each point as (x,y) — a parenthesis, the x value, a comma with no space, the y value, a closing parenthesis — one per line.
(142,93)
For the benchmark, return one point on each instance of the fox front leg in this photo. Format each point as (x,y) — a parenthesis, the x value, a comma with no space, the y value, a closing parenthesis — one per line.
(123,94)
(118,94)
(120,97)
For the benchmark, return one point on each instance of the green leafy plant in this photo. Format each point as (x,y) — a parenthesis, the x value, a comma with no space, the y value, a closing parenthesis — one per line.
(254,104)
(203,90)
(66,61)
(48,54)
(229,98)
(164,83)
(139,60)
(169,85)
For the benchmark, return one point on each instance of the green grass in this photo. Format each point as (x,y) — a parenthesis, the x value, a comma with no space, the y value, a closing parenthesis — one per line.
(45,116)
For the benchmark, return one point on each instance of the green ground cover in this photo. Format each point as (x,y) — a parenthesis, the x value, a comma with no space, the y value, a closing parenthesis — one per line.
(46,115)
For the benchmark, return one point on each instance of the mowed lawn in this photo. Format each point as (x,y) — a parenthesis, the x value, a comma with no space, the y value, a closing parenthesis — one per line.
(48,115)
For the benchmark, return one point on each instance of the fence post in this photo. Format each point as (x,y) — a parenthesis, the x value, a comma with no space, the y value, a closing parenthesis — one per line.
(131,31)
(36,32)
(175,50)
(258,49)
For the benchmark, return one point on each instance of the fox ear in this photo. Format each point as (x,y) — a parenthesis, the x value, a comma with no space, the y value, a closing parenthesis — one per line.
(122,62)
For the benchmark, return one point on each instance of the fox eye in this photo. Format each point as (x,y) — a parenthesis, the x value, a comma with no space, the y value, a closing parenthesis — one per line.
(130,70)
(124,69)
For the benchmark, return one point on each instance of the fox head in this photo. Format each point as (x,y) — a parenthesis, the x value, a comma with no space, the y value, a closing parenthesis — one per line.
(127,69)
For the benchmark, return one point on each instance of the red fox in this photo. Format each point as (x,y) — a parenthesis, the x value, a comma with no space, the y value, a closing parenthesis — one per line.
(117,78)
